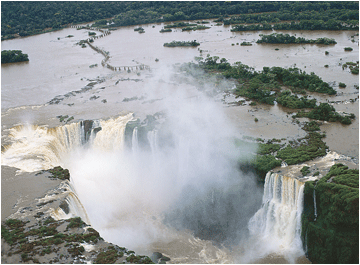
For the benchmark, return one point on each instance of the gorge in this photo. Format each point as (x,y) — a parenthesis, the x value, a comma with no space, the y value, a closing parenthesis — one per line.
(152,156)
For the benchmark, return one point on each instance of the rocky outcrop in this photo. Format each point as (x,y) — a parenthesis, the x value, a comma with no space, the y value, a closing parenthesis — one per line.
(330,220)
(64,241)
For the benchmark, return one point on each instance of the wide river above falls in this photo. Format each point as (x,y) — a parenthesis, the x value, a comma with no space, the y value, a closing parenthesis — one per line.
(57,66)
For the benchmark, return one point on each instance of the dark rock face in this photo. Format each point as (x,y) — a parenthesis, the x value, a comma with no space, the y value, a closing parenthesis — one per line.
(159,258)
(331,234)
(65,207)
(87,125)
(88,128)
(156,256)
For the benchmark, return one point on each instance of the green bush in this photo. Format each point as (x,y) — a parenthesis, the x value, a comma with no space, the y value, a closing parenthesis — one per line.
(75,222)
(305,170)
(342,85)
(107,257)
(13,56)
(294,102)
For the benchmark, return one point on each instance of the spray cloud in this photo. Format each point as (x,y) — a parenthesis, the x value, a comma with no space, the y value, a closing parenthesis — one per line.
(188,178)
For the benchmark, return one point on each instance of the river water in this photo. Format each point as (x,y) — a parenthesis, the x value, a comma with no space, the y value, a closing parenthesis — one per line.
(58,66)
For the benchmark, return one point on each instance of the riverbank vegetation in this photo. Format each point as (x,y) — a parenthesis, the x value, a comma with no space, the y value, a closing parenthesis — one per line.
(179,25)
(165,30)
(244,43)
(278,38)
(274,152)
(331,232)
(197,27)
(13,56)
(30,18)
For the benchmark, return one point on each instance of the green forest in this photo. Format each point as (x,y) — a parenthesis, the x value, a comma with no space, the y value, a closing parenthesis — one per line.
(332,235)
(23,18)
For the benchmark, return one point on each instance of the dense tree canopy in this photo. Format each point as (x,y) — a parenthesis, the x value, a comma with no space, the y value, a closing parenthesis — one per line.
(22,18)
(287,39)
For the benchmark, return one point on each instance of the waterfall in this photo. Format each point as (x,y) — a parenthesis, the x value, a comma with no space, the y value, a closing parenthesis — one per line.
(111,137)
(315,209)
(135,141)
(75,207)
(36,148)
(278,221)
(152,137)
(284,164)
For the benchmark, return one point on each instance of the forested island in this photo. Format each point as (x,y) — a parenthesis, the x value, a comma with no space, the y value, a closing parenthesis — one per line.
(13,56)
(287,39)
(182,44)
(28,18)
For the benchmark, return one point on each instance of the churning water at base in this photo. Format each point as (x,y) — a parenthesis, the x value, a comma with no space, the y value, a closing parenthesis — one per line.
(163,198)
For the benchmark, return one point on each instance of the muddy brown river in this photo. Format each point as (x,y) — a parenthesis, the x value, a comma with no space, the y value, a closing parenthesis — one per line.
(60,69)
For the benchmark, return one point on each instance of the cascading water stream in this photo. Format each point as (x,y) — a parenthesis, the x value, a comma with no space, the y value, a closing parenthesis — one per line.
(135,141)
(74,206)
(152,137)
(278,221)
(315,209)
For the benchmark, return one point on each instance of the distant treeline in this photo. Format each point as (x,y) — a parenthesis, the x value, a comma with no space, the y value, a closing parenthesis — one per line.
(32,17)
(13,56)
(324,17)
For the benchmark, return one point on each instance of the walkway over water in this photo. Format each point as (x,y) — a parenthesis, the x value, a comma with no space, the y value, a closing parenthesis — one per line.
(104,62)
